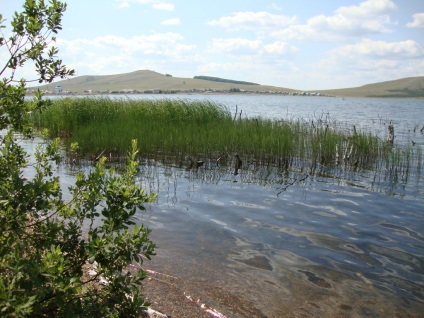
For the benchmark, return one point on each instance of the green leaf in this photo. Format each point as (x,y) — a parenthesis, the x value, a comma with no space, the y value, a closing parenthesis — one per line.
(45,241)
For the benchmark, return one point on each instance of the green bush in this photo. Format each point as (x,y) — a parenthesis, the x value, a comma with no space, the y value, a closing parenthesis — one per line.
(47,244)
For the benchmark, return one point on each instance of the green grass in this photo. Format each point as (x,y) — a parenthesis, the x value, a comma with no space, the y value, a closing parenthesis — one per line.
(410,87)
(206,130)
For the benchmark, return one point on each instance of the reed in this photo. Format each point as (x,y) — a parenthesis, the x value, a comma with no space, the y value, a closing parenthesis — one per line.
(206,130)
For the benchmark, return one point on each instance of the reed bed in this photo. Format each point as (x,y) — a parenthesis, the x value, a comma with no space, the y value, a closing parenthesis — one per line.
(208,131)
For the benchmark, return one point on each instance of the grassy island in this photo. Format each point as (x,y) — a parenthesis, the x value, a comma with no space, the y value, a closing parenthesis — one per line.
(204,130)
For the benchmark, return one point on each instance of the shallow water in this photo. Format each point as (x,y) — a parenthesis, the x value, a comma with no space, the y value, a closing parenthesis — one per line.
(269,244)
(266,243)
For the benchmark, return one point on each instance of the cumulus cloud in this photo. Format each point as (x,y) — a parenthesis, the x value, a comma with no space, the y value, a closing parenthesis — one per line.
(254,21)
(369,17)
(123,4)
(381,49)
(280,48)
(168,44)
(126,53)
(249,70)
(371,61)
(235,69)
(243,46)
(160,44)
(366,62)
(368,9)
(417,22)
(105,63)
(163,6)
(234,44)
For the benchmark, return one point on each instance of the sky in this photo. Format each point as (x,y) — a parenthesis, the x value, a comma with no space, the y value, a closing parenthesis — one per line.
(298,44)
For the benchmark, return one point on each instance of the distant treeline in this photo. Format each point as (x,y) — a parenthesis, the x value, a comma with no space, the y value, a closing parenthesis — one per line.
(218,79)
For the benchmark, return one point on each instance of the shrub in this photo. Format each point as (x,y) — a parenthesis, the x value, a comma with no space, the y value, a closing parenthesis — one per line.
(47,244)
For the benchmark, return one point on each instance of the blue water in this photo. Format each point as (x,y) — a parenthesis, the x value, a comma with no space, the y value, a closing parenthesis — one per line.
(335,231)
(289,245)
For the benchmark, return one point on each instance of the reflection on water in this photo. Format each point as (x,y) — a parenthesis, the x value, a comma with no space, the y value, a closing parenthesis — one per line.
(287,243)
(271,243)
(264,242)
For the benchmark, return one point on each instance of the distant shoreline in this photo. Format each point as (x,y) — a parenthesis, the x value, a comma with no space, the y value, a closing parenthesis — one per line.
(164,93)
(150,82)
(97,94)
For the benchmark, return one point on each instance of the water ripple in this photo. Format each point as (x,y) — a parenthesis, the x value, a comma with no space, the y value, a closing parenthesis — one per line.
(403,229)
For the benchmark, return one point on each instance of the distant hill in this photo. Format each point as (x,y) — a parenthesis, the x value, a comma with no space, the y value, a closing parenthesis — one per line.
(145,80)
(150,81)
(219,79)
(410,87)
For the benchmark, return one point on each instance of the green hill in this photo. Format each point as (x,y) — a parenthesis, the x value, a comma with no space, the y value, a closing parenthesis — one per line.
(410,87)
(149,81)
(219,79)
(145,80)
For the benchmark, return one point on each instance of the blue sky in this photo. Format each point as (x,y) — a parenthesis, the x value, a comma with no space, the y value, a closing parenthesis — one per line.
(301,44)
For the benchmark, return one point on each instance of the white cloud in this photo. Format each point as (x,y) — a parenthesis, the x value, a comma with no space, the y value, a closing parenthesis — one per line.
(234,70)
(164,6)
(249,70)
(106,63)
(418,21)
(255,21)
(372,61)
(264,49)
(280,48)
(174,21)
(160,44)
(241,46)
(112,54)
(369,17)
(234,44)
(123,4)
(73,48)
(368,9)
(380,49)
(156,44)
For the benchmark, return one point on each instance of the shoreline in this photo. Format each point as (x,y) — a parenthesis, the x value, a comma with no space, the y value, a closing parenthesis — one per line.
(97,94)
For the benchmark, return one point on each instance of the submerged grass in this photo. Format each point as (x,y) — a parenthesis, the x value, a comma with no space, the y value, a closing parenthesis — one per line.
(207,130)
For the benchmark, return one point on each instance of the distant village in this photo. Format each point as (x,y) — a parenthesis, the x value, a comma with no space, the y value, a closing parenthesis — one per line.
(58,90)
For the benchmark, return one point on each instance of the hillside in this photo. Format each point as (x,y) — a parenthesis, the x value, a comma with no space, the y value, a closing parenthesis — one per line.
(219,79)
(149,81)
(410,87)
(145,80)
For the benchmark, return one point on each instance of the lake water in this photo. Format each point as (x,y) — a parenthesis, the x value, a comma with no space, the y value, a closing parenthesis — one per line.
(267,244)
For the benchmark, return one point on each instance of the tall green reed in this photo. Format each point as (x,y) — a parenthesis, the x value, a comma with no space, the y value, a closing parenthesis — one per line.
(207,130)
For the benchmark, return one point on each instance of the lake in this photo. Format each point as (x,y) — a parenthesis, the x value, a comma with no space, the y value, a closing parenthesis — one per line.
(267,243)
